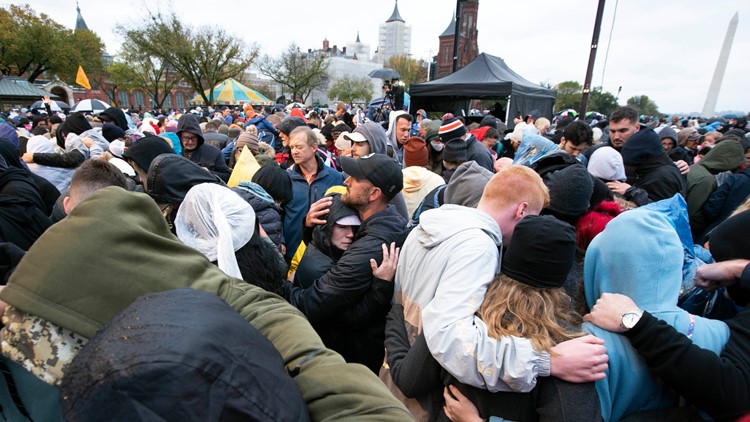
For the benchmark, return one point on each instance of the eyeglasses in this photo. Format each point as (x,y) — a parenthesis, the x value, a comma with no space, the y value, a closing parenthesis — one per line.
(189,138)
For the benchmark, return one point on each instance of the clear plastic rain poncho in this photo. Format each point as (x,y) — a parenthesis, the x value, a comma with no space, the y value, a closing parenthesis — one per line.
(217,222)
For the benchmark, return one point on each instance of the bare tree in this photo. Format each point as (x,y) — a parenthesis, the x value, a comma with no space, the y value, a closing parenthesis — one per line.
(297,71)
(203,56)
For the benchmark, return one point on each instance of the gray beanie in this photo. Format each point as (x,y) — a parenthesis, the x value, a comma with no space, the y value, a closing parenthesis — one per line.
(570,190)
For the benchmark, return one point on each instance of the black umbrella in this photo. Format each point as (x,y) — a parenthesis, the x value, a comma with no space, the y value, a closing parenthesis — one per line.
(385,73)
(54,106)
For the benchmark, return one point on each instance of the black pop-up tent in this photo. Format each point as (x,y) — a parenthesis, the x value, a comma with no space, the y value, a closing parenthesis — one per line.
(486,77)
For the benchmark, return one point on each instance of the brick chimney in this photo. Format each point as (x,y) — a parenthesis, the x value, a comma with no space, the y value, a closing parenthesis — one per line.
(335,49)
(343,50)
(325,44)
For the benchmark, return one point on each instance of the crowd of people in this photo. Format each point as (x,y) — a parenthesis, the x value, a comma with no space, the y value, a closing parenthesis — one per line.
(312,264)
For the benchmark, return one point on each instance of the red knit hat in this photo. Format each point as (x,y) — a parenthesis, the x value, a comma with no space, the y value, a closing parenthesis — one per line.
(594,222)
(415,152)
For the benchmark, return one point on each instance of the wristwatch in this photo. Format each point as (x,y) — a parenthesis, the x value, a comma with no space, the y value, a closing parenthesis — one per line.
(629,319)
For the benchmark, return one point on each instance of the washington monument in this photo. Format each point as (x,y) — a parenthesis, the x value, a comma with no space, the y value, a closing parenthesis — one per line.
(721,66)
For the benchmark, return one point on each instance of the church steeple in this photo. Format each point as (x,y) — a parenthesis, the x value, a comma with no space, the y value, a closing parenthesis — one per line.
(80,23)
(358,37)
(395,16)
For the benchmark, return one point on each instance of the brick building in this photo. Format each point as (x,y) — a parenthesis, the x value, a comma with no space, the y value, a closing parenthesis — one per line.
(467,40)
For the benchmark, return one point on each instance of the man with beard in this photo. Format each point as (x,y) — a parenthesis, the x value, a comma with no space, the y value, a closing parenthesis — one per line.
(347,305)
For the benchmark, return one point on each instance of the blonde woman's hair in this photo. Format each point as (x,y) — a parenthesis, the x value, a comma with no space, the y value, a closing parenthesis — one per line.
(544,316)
(542,124)
(742,207)
(252,129)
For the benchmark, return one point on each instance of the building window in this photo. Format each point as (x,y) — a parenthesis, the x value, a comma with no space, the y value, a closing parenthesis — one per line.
(124,99)
(168,101)
(180,100)
(138,98)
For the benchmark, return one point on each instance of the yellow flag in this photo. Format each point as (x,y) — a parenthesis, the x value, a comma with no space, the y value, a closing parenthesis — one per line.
(81,78)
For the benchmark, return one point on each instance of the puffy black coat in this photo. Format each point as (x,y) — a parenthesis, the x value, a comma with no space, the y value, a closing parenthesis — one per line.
(347,306)
(266,211)
(180,355)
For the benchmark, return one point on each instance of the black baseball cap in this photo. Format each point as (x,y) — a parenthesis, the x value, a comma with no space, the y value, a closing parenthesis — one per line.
(382,171)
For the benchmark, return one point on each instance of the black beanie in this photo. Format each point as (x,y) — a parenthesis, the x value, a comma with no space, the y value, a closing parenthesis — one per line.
(541,252)
(570,190)
(729,239)
(112,132)
(641,147)
(455,150)
(146,149)
(275,180)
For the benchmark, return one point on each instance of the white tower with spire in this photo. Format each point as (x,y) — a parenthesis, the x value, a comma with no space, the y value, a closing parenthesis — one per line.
(360,49)
(721,66)
(394,38)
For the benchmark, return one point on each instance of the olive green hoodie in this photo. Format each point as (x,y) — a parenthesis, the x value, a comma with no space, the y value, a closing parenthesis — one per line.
(727,155)
(115,246)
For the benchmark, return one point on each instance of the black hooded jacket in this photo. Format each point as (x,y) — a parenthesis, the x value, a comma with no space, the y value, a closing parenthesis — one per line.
(204,155)
(171,176)
(23,216)
(321,255)
(47,191)
(117,116)
(347,306)
(157,350)
(651,173)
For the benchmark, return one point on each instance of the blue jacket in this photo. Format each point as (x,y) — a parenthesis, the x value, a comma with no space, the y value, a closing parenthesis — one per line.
(303,195)
(640,255)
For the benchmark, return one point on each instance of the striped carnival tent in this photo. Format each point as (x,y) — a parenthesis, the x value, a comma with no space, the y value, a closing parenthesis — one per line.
(231,92)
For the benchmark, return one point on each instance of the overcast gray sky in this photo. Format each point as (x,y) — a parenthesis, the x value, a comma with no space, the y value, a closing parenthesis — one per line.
(666,49)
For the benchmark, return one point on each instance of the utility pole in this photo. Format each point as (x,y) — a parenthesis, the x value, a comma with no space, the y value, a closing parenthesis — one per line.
(456,30)
(592,59)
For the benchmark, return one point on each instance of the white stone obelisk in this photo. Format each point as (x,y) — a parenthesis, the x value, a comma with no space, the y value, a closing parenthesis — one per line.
(721,66)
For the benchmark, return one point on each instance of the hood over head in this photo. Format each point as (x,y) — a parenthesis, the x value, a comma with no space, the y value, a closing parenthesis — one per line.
(727,155)
(418,178)
(643,146)
(156,348)
(467,184)
(189,123)
(321,236)
(10,152)
(132,228)
(171,176)
(375,136)
(117,116)
(616,263)
(144,150)
(9,132)
(75,123)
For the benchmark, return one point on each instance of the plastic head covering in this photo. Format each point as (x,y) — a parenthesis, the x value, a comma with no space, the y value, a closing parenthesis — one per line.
(533,147)
(217,222)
